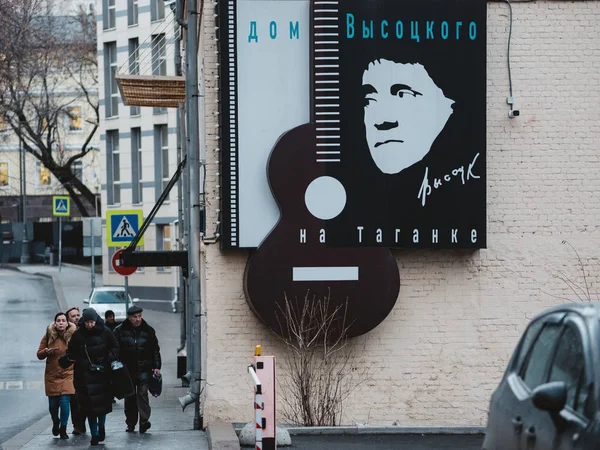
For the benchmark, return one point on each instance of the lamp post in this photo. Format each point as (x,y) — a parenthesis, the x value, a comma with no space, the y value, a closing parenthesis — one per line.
(25,250)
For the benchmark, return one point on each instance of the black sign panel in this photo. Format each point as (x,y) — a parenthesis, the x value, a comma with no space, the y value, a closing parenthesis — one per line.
(412,123)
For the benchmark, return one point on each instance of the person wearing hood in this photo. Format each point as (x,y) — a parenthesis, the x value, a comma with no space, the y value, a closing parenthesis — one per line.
(93,348)
(58,381)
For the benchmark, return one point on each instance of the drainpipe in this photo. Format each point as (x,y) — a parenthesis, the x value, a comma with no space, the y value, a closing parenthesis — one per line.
(192,96)
(181,297)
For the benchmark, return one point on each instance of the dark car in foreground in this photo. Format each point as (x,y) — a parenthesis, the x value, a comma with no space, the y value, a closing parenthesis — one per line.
(549,396)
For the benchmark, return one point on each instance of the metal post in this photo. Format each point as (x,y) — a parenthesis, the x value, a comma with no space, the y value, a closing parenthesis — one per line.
(25,257)
(59,243)
(194,313)
(126,293)
(93,254)
(180,224)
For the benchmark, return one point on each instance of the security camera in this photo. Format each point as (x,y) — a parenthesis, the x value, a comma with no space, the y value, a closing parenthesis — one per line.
(513,113)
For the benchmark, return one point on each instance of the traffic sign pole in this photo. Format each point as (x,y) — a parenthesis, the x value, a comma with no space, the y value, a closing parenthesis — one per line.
(126,293)
(93,257)
(59,242)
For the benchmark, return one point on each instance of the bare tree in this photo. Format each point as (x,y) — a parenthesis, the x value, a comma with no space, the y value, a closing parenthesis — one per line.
(319,374)
(48,63)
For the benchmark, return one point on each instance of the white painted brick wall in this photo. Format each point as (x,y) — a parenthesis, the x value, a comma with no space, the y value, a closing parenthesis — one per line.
(442,350)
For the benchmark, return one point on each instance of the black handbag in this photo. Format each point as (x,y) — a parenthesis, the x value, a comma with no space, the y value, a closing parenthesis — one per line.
(122,385)
(97,368)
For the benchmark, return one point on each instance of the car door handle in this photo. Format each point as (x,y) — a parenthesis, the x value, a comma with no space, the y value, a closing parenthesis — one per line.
(530,433)
(518,424)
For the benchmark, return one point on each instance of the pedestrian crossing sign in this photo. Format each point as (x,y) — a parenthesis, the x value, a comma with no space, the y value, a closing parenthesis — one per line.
(61,205)
(122,226)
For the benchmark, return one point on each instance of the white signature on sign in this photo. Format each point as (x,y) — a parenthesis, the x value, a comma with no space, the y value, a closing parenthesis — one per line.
(465,175)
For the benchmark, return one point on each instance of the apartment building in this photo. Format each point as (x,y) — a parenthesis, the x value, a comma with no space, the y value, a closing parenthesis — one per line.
(138,144)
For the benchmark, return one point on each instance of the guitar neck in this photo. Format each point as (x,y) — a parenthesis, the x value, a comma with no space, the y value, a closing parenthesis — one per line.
(325,78)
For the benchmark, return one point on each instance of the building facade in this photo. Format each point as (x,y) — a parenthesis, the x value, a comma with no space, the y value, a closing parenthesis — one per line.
(442,349)
(138,144)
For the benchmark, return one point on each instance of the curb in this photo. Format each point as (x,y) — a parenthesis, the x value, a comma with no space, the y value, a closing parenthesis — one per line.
(372,429)
(361,429)
(60,295)
(27,434)
(222,436)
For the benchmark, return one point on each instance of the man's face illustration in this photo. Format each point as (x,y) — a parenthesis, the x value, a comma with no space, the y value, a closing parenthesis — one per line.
(404,110)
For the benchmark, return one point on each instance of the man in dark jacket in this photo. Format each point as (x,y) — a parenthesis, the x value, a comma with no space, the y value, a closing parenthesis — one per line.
(140,353)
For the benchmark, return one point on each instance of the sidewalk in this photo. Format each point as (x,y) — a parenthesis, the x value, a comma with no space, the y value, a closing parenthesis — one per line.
(171,428)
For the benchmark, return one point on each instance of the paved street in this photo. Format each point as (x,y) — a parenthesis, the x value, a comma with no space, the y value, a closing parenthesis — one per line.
(387,442)
(27,306)
(170,426)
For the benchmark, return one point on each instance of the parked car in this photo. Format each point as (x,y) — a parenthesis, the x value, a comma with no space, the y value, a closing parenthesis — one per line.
(110,297)
(549,397)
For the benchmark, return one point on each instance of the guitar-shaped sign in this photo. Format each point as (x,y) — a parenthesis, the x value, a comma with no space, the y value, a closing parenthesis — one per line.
(294,260)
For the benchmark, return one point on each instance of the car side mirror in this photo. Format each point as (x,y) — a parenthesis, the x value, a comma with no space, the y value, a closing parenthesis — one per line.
(135,300)
(550,397)
(86,300)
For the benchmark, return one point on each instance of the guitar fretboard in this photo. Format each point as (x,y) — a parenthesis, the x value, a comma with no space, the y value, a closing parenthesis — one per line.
(325,60)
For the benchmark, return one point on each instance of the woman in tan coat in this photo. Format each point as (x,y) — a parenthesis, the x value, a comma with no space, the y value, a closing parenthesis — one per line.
(58,381)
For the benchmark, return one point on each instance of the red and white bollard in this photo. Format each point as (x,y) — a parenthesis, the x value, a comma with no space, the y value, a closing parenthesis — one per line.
(258,408)
(263,374)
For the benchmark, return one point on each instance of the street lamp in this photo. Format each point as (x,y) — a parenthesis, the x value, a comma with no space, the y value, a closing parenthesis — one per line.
(25,245)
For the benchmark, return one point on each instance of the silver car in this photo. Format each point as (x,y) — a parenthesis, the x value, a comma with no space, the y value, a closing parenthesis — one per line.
(113,298)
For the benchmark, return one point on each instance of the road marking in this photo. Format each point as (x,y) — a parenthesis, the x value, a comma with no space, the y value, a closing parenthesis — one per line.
(21,385)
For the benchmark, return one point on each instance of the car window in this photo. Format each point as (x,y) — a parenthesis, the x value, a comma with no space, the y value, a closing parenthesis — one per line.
(569,366)
(530,334)
(109,297)
(540,355)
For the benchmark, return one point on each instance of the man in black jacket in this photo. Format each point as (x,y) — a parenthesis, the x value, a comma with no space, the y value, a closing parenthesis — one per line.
(140,353)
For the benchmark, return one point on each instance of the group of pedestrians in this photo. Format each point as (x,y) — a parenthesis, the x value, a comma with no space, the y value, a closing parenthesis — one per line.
(80,352)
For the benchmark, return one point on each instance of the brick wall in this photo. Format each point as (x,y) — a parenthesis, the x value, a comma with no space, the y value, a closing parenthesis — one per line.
(437,357)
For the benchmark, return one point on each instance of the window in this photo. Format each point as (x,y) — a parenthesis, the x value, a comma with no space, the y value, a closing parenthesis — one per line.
(132,12)
(44,178)
(3,174)
(134,67)
(111,90)
(540,355)
(164,152)
(161,158)
(3,124)
(74,118)
(110,14)
(569,366)
(113,172)
(136,165)
(530,335)
(77,168)
(159,55)
(163,241)
(157,11)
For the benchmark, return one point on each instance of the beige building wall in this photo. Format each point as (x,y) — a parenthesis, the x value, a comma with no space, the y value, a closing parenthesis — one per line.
(438,356)
(146,120)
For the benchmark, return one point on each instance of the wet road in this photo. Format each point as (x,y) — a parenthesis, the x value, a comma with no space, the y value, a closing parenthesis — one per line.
(388,442)
(27,306)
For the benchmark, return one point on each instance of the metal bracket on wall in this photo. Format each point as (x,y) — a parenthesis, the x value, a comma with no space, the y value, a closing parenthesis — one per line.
(130,257)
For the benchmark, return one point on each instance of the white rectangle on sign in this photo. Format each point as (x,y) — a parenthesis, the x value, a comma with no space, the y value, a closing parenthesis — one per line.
(273,86)
(325,273)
